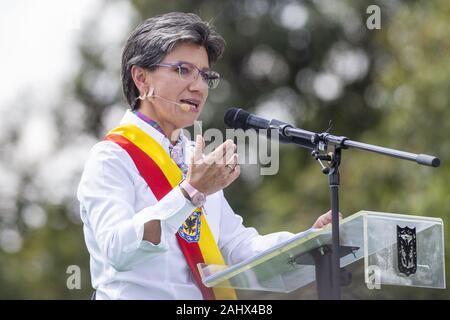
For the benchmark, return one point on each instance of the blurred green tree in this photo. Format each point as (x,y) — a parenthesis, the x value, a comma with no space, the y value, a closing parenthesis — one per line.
(304,62)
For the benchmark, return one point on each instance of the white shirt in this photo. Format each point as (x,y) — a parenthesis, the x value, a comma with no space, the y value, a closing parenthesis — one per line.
(116,202)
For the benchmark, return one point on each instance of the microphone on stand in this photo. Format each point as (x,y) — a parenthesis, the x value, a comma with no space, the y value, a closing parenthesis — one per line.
(236,118)
(239,119)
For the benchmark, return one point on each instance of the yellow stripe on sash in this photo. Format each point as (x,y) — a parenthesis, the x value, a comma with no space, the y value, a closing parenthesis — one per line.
(153,149)
(212,255)
(207,244)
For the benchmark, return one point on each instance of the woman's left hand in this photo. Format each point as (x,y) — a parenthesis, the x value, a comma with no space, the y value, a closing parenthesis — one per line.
(324,219)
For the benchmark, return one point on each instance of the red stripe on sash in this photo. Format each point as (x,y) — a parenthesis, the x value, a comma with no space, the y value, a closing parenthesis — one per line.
(148,169)
(160,186)
(193,256)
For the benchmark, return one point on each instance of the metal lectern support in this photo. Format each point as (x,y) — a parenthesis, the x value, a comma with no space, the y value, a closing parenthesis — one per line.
(331,264)
(333,181)
(321,259)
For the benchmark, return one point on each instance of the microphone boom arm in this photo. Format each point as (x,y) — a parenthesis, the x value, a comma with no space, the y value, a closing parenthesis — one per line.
(345,143)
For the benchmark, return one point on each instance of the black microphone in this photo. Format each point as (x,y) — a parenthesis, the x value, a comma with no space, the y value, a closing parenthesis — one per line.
(236,118)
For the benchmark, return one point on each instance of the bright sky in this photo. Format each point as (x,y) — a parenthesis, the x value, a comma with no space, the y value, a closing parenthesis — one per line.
(38,55)
(37,42)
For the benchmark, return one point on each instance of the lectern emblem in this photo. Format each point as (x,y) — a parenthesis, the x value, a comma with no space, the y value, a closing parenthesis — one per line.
(406,250)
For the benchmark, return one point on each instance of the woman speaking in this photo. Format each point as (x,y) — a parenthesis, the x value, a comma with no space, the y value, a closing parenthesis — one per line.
(151,202)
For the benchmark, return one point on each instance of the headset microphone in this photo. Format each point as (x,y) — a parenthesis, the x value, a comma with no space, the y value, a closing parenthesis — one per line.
(151,94)
(183,106)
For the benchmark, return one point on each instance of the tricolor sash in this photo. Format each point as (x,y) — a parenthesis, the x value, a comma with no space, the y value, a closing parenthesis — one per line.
(162,174)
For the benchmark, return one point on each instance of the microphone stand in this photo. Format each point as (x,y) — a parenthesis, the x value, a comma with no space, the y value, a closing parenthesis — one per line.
(327,147)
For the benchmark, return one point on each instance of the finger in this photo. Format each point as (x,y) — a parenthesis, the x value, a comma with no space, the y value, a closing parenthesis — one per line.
(216,154)
(199,146)
(328,216)
(223,153)
(237,170)
(319,225)
(231,168)
(234,174)
(233,161)
(230,154)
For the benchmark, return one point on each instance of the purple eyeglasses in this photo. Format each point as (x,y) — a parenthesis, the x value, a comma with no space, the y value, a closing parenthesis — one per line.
(189,72)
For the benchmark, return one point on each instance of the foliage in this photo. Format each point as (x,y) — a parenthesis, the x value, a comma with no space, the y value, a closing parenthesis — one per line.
(388,87)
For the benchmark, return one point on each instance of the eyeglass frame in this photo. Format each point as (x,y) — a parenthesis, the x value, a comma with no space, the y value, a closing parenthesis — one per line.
(204,74)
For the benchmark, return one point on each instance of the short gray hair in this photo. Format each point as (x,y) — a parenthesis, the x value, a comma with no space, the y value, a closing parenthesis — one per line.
(152,40)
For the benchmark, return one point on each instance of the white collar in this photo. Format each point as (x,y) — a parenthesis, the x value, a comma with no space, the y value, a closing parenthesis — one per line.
(131,118)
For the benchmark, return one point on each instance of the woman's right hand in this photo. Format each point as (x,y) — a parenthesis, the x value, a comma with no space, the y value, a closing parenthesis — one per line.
(215,171)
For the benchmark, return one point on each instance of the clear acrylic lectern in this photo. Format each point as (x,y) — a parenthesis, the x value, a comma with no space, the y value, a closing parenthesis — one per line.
(397,250)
